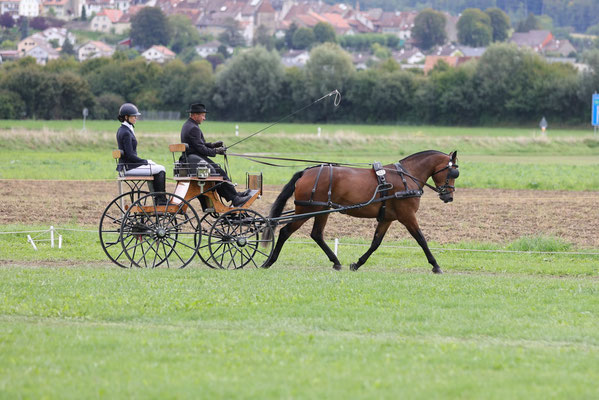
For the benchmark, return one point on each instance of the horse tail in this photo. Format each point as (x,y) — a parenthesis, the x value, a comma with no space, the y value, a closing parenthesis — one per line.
(277,208)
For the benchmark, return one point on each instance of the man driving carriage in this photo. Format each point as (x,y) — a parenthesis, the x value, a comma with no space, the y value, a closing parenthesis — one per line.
(199,150)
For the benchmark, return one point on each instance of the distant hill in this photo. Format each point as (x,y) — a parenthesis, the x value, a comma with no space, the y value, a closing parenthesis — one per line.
(578,14)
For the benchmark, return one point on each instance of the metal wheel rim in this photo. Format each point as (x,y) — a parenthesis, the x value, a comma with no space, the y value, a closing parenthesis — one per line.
(109,229)
(149,238)
(205,226)
(235,240)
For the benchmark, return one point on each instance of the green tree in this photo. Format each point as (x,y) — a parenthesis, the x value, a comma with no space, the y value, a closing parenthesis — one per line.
(500,24)
(11,105)
(200,83)
(303,38)
(324,32)
(528,24)
(24,27)
(149,26)
(67,49)
(329,68)
(73,93)
(264,38)
(474,28)
(289,35)
(232,34)
(429,28)
(183,33)
(249,86)
(172,83)
(83,13)
(35,88)
(107,106)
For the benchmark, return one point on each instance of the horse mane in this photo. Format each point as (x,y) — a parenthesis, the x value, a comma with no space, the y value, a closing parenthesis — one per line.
(422,153)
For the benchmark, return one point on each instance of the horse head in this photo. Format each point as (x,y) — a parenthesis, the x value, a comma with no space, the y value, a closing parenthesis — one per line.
(445,175)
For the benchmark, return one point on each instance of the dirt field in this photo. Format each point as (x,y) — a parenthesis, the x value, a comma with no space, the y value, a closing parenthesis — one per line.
(476,214)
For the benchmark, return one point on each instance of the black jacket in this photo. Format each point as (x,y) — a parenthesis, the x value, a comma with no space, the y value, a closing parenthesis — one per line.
(193,136)
(128,144)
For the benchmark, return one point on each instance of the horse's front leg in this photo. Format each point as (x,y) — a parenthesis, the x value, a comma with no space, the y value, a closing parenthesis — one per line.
(415,231)
(379,234)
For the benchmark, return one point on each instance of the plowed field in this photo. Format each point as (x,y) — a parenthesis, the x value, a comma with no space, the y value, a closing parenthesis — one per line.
(482,215)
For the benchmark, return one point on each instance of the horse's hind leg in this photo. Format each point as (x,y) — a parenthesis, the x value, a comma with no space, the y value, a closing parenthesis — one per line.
(284,234)
(319,224)
(379,233)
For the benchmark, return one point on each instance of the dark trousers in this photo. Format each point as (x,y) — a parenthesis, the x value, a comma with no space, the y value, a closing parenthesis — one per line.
(225,189)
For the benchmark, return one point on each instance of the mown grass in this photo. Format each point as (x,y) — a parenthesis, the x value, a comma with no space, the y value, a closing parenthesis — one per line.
(513,162)
(295,332)
(531,255)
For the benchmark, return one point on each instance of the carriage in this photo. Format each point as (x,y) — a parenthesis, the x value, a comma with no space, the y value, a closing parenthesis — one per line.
(138,230)
(141,229)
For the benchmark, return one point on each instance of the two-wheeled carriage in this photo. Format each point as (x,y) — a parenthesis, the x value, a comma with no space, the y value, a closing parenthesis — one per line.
(139,229)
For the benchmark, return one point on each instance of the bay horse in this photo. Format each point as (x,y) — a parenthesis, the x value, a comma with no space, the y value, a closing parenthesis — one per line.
(343,187)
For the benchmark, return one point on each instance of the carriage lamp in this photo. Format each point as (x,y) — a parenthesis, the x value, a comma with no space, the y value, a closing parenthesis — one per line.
(203,171)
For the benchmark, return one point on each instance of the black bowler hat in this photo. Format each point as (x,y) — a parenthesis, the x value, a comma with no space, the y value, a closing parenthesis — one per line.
(197,108)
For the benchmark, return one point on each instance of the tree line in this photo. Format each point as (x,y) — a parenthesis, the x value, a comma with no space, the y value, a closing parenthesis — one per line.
(507,85)
(577,14)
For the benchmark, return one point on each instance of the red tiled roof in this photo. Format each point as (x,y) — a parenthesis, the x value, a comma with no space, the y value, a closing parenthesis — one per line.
(113,15)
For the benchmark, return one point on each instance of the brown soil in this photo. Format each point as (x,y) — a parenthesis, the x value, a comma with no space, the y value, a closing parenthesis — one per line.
(488,215)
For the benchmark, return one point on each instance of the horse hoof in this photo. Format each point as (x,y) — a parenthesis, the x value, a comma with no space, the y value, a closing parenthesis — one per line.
(437,271)
(337,267)
(354,267)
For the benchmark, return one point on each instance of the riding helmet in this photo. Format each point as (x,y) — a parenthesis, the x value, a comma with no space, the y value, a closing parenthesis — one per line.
(129,109)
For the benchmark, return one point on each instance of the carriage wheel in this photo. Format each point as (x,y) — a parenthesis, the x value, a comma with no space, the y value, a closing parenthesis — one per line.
(236,240)
(203,251)
(153,234)
(110,227)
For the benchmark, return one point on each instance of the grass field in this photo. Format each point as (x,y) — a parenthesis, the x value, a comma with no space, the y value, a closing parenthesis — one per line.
(507,320)
(489,158)
(296,333)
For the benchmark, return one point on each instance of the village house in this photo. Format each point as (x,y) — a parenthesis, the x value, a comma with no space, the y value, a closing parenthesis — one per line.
(159,54)
(96,6)
(10,7)
(42,52)
(206,49)
(110,20)
(56,34)
(295,58)
(536,39)
(411,56)
(94,49)
(29,8)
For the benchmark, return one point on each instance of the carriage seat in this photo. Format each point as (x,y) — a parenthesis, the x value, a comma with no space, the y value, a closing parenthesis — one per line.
(117,154)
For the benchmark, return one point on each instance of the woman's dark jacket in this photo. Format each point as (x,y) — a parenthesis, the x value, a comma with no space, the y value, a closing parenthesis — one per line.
(128,144)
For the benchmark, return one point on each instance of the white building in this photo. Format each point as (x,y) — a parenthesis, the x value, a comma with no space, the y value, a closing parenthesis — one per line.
(158,54)
(94,49)
(30,8)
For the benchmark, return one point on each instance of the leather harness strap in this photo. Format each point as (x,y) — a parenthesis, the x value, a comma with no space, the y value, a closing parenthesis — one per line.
(379,172)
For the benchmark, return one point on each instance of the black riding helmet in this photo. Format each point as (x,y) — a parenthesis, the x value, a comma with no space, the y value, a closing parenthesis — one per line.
(128,109)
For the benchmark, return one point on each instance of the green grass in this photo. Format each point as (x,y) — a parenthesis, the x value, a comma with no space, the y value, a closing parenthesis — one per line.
(81,244)
(56,150)
(292,332)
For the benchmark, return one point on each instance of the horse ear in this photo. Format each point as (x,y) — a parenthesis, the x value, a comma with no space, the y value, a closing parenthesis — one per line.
(453,156)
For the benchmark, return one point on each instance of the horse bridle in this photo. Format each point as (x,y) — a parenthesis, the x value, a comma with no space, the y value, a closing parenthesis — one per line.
(452,173)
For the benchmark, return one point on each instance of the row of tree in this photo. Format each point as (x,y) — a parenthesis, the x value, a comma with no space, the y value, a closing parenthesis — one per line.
(507,85)
(578,14)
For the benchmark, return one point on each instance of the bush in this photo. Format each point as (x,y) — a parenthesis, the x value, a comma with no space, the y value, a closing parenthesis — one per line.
(107,106)
(11,105)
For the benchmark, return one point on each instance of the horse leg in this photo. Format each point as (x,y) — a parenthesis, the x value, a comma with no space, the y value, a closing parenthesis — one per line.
(414,229)
(284,234)
(319,224)
(379,233)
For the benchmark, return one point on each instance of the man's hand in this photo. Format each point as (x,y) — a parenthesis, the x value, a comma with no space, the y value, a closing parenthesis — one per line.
(220,150)
(217,144)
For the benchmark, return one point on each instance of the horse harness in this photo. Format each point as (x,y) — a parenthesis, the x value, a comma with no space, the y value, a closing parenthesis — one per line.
(383,188)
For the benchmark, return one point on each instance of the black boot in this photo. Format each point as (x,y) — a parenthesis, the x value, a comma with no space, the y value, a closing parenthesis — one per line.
(160,186)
